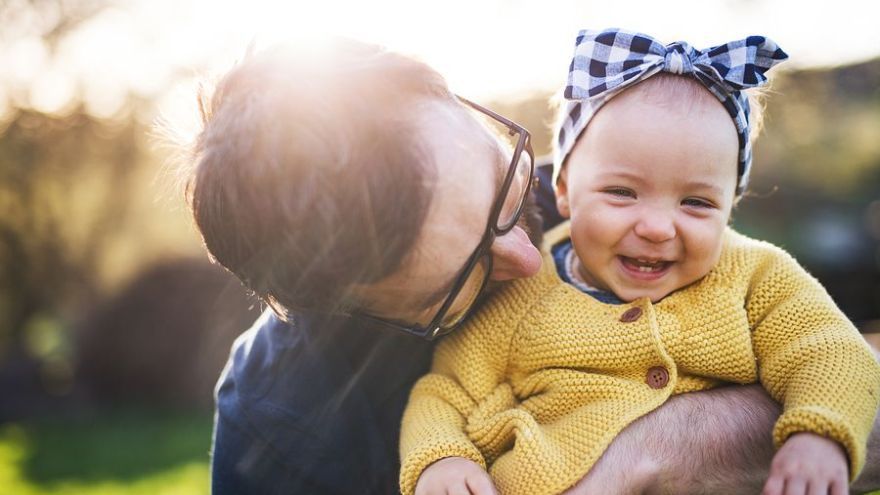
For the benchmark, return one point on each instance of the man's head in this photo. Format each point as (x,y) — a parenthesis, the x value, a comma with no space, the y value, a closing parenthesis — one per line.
(347,178)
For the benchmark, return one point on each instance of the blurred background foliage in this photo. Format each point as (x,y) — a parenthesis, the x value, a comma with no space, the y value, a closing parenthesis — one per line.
(114,326)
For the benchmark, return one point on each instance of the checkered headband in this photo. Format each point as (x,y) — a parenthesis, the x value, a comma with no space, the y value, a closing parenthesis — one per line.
(607,62)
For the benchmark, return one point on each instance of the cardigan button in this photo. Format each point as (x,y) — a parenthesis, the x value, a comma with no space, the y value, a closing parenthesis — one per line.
(657,377)
(630,315)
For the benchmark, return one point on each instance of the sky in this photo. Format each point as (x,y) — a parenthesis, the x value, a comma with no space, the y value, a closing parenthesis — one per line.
(487,49)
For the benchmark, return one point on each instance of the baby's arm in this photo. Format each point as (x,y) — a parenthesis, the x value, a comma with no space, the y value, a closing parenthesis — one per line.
(436,454)
(812,360)
(469,367)
(432,433)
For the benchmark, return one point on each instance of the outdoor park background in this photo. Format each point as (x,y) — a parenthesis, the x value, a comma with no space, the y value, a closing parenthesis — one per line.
(113,325)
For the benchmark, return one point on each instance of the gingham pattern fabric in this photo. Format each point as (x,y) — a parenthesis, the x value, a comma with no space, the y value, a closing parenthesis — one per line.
(607,62)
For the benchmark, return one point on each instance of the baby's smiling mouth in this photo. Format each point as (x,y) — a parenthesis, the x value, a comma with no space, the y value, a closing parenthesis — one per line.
(645,265)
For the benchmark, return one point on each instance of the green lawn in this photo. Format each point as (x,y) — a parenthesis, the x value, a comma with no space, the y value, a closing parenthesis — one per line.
(109,454)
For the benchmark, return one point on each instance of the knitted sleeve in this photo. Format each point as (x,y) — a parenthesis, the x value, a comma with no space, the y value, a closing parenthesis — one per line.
(469,366)
(810,357)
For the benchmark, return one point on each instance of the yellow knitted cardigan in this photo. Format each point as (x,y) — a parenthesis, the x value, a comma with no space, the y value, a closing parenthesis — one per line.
(543,377)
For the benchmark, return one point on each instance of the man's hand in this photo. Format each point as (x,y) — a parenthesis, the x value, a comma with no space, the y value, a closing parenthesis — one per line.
(808,464)
(455,476)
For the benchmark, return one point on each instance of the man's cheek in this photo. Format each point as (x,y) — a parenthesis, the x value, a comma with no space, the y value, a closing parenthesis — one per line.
(531,221)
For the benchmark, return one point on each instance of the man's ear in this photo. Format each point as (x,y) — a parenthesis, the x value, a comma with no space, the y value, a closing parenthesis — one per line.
(561,188)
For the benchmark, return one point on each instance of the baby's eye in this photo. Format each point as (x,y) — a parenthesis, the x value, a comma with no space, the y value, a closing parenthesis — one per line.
(621,192)
(697,202)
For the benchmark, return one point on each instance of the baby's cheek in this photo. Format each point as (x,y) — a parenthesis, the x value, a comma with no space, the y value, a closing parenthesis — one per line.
(711,248)
(703,246)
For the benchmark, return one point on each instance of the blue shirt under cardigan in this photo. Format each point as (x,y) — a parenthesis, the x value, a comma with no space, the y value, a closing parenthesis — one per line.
(560,252)
(314,406)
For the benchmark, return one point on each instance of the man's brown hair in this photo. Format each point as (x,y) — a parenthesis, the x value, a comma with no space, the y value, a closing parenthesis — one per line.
(309,176)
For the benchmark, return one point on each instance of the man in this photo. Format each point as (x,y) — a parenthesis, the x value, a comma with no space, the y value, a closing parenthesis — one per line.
(362,201)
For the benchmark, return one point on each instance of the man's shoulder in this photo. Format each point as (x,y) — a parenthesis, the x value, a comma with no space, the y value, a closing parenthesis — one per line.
(262,355)
(314,370)
(310,403)
(280,365)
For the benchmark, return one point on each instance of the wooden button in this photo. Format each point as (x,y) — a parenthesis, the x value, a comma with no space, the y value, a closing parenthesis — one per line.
(632,314)
(657,377)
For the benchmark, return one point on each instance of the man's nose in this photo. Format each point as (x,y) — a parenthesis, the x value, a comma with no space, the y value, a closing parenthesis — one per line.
(656,225)
(514,256)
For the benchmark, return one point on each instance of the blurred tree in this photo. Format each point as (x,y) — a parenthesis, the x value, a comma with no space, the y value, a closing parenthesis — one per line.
(43,162)
(74,196)
(63,188)
(48,19)
(822,131)
(65,185)
(164,337)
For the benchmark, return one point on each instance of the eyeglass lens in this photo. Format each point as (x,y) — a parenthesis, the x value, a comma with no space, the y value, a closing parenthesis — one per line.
(515,197)
(468,293)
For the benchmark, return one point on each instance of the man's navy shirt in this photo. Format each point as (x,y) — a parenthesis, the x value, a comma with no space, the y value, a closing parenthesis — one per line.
(314,405)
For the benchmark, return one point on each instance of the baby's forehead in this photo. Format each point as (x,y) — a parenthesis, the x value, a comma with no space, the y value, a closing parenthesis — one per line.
(674,91)
(660,140)
(669,105)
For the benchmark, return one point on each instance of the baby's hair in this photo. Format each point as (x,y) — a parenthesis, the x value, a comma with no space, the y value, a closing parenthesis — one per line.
(757,105)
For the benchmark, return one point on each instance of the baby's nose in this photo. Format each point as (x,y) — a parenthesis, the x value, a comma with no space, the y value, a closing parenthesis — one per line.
(656,226)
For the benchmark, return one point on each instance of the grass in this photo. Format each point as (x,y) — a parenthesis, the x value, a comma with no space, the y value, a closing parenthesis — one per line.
(113,453)
(130,453)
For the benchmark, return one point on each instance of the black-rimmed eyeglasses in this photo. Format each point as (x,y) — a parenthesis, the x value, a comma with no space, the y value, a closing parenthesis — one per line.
(503,216)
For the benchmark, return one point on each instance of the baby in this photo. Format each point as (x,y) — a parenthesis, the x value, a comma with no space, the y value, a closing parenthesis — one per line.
(542,378)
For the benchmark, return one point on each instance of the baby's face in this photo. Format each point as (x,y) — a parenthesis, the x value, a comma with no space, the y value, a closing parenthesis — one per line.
(649,188)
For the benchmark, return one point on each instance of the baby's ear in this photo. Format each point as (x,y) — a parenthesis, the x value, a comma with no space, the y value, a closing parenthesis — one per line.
(561,189)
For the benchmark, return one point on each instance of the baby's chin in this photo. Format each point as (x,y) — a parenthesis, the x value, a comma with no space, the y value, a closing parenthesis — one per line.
(629,295)
(655,294)
(631,299)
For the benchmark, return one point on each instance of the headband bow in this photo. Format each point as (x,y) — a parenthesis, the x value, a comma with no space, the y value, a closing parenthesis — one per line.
(607,62)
